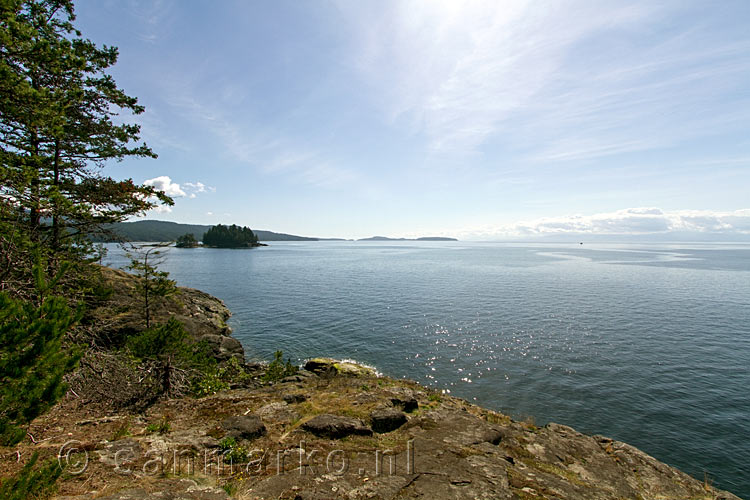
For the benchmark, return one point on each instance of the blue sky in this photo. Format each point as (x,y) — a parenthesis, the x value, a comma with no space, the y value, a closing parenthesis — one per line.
(480,120)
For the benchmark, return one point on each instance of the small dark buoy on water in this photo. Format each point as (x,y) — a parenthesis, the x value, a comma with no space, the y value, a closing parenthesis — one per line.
(581,243)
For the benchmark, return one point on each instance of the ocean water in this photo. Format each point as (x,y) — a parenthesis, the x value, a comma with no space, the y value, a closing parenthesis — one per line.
(648,344)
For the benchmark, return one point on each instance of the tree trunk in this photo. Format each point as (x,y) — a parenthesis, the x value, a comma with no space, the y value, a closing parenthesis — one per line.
(56,208)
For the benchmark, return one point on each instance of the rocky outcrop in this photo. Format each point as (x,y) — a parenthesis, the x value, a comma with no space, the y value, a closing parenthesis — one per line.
(244,426)
(333,367)
(336,426)
(108,377)
(387,419)
(203,316)
(323,446)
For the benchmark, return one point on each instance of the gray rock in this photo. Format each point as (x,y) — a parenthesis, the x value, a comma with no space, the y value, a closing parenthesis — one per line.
(120,452)
(336,426)
(223,348)
(294,398)
(407,404)
(184,489)
(278,413)
(387,419)
(244,426)
(328,367)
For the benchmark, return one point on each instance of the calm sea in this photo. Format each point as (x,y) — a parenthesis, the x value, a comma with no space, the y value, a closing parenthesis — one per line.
(646,344)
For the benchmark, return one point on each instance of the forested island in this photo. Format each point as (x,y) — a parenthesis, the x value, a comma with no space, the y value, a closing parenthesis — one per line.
(233,236)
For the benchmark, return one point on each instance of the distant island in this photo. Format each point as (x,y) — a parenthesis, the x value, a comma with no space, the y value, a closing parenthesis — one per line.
(424,238)
(234,236)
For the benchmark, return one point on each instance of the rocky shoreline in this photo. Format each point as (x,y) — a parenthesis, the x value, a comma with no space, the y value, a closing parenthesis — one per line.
(332,430)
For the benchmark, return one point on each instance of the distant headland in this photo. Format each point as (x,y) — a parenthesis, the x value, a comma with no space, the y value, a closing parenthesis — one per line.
(424,238)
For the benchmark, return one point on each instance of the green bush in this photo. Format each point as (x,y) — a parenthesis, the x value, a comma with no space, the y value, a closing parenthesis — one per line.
(232,451)
(277,369)
(161,427)
(32,361)
(171,350)
(209,383)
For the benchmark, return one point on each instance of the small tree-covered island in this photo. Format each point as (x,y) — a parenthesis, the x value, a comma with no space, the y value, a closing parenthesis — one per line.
(221,236)
(127,386)
(186,241)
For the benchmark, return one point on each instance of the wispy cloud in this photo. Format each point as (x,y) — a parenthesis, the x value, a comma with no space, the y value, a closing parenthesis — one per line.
(261,146)
(154,17)
(457,72)
(194,188)
(629,221)
(567,81)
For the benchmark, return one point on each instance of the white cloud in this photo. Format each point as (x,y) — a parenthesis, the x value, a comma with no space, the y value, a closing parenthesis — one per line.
(629,221)
(193,188)
(164,183)
(198,187)
(161,209)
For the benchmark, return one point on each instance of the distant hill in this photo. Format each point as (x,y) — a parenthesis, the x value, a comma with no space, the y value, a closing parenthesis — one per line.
(424,238)
(159,230)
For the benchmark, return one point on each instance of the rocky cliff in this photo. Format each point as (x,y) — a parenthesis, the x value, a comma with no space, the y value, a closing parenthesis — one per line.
(204,316)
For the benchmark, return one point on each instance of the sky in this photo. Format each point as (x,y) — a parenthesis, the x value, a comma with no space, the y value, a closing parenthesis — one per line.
(477,120)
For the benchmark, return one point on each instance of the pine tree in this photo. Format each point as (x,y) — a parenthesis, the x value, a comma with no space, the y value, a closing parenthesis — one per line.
(32,359)
(153,284)
(57,128)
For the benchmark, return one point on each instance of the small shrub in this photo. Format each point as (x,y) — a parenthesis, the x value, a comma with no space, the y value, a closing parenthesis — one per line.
(233,452)
(173,352)
(121,431)
(234,371)
(237,455)
(208,384)
(227,443)
(162,427)
(435,397)
(230,488)
(277,369)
